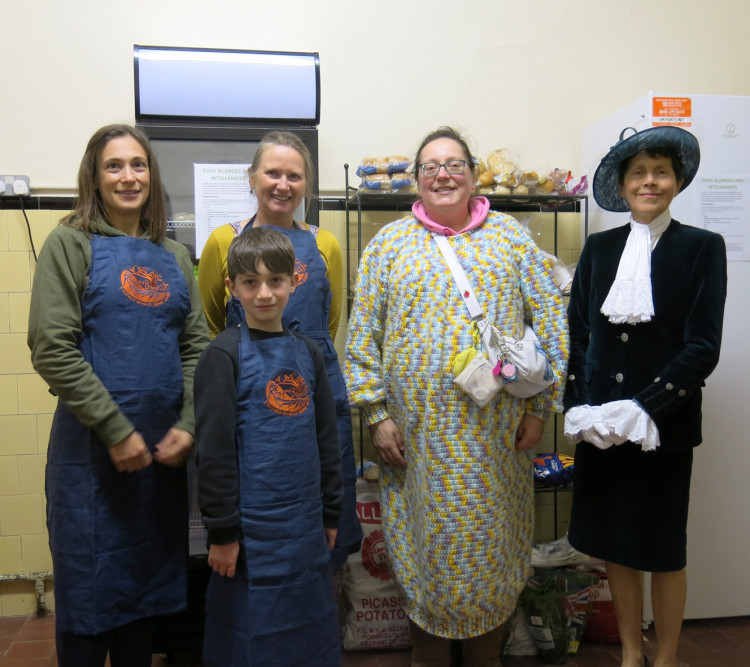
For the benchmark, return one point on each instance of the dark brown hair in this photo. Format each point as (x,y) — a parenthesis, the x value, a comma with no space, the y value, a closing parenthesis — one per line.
(666,152)
(264,244)
(88,206)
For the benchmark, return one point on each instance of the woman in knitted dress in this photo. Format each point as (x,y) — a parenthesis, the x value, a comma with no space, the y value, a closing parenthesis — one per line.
(457,484)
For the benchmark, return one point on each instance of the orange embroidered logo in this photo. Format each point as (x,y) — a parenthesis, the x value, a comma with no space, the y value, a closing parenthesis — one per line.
(144,286)
(300,270)
(287,394)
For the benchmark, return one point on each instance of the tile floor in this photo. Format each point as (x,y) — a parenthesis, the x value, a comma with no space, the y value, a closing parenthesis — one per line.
(29,642)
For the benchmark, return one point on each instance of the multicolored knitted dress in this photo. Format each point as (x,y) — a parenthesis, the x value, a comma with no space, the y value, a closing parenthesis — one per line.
(459,517)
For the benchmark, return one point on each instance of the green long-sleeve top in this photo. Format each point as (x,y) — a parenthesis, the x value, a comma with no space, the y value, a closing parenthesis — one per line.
(60,280)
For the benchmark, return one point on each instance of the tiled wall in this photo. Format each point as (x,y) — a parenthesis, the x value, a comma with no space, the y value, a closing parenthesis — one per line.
(26,406)
(25,416)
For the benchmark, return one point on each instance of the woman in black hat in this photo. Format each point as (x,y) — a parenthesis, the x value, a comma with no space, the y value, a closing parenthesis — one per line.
(646,312)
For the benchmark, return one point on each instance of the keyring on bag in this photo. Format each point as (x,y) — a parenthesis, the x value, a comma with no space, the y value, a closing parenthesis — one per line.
(504,365)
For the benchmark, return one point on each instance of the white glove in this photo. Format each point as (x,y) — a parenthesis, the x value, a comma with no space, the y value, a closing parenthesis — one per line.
(587,422)
(597,435)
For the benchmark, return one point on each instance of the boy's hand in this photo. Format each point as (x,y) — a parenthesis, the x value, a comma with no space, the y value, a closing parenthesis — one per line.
(175,448)
(223,558)
(130,454)
(331,537)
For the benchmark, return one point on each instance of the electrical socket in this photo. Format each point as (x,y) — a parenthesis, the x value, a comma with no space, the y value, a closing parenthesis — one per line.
(14,185)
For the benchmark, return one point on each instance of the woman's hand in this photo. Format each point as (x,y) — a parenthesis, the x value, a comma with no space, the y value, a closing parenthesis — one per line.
(223,558)
(175,448)
(331,537)
(529,431)
(130,454)
(387,440)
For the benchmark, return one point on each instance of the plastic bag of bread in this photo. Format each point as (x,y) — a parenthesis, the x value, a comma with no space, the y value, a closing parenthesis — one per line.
(390,164)
(560,182)
(560,178)
(398,182)
(377,181)
(544,185)
(401,180)
(529,179)
(505,167)
(485,178)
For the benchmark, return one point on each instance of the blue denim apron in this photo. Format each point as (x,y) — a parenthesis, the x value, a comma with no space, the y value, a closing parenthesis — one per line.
(307,312)
(278,610)
(119,540)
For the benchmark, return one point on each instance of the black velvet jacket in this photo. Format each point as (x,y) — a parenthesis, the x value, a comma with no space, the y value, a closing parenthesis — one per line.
(662,364)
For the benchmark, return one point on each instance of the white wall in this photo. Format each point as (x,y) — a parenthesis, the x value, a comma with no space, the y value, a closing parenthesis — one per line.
(528,76)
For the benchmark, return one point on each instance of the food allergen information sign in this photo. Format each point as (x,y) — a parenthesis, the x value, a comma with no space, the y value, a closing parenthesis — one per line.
(722,201)
(222,195)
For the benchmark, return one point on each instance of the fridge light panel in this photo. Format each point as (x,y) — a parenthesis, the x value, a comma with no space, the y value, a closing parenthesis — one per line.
(174,83)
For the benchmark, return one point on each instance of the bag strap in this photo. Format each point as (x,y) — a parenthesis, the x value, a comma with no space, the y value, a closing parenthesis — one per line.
(459,275)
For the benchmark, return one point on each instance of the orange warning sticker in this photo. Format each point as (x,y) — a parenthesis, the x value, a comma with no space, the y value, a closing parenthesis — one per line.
(672,111)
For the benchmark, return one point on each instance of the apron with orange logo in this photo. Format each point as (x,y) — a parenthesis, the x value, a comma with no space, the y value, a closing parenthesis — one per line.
(119,540)
(278,609)
(307,312)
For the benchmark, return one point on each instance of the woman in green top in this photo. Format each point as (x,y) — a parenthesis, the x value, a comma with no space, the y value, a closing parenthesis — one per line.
(116,328)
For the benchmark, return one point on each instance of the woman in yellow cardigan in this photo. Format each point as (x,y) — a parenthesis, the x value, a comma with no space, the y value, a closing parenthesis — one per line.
(281,175)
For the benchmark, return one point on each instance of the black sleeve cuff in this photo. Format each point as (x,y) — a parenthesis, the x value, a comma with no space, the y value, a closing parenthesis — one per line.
(224,535)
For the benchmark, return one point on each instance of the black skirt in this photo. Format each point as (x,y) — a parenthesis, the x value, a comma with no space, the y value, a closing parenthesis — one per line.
(630,507)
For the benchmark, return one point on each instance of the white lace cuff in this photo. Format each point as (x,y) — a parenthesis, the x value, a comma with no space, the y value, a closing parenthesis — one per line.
(611,424)
(629,421)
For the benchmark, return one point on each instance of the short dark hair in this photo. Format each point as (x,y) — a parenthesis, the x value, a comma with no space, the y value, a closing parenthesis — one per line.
(260,244)
(89,207)
(445,132)
(660,151)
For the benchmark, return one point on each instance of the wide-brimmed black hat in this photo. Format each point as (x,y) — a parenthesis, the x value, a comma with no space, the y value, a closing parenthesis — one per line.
(606,186)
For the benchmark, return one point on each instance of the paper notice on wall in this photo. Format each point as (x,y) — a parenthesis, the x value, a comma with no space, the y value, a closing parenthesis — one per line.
(222,195)
(723,203)
(672,111)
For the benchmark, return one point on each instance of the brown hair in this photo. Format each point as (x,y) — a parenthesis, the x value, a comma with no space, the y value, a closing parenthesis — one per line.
(445,132)
(659,151)
(88,206)
(290,140)
(260,244)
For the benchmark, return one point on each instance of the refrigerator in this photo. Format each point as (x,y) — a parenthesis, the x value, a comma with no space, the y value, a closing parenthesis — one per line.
(205,111)
(718,199)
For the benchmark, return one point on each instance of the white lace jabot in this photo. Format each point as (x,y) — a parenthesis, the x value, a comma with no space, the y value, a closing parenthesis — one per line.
(629,300)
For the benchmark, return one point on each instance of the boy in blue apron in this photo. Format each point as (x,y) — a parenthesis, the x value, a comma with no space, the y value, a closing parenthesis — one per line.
(269,474)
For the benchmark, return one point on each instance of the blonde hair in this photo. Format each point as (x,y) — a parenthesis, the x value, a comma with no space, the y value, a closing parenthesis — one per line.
(290,140)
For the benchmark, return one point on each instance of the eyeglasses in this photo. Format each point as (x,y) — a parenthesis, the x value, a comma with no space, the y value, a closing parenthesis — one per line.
(453,167)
